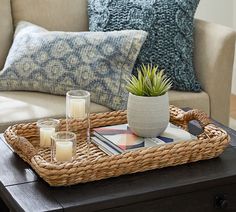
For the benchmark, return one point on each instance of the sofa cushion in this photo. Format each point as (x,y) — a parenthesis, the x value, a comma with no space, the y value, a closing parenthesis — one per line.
(199,100)
(60,15)
(18,107)
(170,27)
(6,30)
(55,62)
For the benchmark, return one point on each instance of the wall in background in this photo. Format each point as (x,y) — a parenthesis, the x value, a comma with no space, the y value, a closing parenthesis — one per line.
(234,75)
(221,12)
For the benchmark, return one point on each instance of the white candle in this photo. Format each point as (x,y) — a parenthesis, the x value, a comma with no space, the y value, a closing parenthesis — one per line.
(45,136)
(77,108)
(64,151)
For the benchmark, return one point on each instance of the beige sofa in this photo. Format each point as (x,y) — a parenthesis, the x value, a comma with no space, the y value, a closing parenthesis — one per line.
(213,59)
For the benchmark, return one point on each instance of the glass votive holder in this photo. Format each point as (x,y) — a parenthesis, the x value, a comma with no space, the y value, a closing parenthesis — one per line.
(47,127)
(77,110)
(63,146)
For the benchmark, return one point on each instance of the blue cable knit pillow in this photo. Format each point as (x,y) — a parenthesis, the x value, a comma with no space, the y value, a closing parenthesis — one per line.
(55,62)
(170,27)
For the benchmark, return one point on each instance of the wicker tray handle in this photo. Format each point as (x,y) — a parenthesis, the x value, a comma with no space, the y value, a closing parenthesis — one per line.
(182,118)
(197,115)
(26,147)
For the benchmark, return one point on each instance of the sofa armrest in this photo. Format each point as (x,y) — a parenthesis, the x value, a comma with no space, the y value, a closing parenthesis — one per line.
(213,61)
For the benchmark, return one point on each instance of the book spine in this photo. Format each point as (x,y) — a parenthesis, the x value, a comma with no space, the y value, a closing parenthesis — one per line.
(104,147)
(106,141)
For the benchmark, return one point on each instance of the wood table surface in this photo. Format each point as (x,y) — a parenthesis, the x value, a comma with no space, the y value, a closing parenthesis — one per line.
(21,189)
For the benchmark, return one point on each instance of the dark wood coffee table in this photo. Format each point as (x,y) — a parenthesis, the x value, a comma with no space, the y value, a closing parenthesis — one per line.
(201,186)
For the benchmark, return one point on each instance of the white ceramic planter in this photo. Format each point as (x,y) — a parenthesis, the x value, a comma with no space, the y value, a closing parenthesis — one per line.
(148,116)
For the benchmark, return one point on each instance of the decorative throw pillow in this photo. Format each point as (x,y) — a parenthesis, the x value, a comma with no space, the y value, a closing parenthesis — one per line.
(170,26)
(55,62)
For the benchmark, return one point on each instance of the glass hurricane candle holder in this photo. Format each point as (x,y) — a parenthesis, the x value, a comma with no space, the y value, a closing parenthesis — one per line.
(78,111)
(77,104)
(47,127)
(63,146)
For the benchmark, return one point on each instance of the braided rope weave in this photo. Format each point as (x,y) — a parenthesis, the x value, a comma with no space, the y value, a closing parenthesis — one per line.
(96,165)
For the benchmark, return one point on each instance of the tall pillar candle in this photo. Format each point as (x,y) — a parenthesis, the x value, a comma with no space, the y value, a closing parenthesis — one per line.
(77,108)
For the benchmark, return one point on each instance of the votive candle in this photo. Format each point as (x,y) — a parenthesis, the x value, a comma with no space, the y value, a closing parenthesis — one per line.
(64,146)
(64,151)
(45,136)
(47,127)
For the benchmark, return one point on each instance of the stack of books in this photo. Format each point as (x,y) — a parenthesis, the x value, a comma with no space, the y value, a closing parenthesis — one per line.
(117,139)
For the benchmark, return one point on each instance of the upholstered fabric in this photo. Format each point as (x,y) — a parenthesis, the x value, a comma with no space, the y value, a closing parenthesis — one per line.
(54,15)
(170,27)
(213,60)
(6,30)
(55,62)
(18,107)
(199,100)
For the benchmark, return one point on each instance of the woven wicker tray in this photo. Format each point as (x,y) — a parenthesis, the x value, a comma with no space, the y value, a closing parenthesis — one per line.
(24,139)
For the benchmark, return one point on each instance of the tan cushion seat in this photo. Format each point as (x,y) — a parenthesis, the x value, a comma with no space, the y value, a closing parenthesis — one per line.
(18,107)
(182,99)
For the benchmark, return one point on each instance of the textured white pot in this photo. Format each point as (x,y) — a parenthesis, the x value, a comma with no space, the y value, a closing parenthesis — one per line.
(148,116)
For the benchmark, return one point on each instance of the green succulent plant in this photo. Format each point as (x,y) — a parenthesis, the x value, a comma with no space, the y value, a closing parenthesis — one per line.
(150,82)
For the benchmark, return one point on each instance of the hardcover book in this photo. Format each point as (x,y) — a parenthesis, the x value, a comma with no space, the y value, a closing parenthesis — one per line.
(120,138)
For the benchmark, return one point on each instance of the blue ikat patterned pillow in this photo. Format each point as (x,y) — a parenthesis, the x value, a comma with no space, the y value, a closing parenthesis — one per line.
(170,27)
(55,62)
